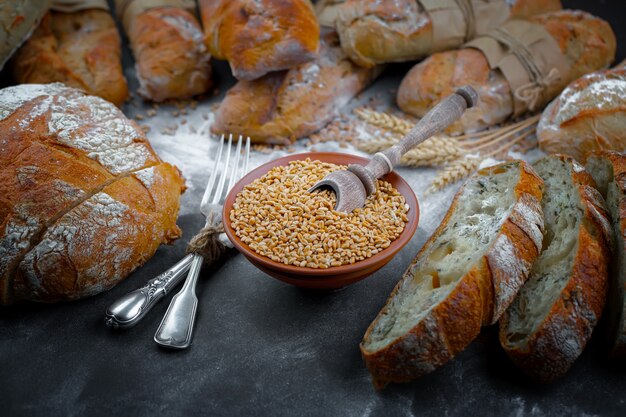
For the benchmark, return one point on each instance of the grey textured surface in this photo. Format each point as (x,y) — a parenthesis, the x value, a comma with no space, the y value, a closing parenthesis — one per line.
(262,347)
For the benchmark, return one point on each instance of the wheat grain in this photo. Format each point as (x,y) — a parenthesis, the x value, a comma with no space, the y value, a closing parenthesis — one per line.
(454,172)
(384,120)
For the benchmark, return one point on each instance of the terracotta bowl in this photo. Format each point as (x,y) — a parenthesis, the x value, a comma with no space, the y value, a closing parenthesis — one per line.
(333,277)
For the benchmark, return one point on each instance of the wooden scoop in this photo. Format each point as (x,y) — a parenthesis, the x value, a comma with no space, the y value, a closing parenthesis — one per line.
(354,185)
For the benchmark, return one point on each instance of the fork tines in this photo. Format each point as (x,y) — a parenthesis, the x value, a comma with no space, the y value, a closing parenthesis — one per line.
(229,164)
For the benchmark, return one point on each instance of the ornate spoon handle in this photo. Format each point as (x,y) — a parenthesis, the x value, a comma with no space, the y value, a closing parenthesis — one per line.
(128,310)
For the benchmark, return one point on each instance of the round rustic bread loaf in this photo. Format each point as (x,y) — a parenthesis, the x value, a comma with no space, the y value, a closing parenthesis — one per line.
(589,115)
(84,199)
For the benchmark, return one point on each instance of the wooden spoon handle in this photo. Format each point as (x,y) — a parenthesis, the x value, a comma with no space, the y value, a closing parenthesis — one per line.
(437,119)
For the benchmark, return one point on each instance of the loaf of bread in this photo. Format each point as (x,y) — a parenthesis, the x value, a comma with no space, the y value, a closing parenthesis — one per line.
(18,19)
(548,325)
(84,200)
(587,43)
(260,36)
(284,106)
(608,169)
(589,115)
(171,59)
(80,49)
(375,32)
(464,277)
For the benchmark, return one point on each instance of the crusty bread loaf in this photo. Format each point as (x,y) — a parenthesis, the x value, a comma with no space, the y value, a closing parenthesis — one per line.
(284,106)
(375,32)
(80,49)
(464,277)
(548,325)
(171,59)
(84,200)
(608,169)
(18,18)
(260,36)
(589,115)
(587,42)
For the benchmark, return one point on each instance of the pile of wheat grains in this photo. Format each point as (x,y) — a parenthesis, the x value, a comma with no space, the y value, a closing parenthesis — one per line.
(277,217)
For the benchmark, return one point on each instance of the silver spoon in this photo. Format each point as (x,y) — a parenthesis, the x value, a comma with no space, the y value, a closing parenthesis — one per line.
(353,185)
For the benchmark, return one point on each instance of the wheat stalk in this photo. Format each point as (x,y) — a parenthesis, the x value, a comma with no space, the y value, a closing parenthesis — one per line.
(384,120)
(435,151)
(454,172)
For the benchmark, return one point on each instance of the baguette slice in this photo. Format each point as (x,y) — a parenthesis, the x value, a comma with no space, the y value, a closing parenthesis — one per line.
(608,169)
(464,277)
(548,325)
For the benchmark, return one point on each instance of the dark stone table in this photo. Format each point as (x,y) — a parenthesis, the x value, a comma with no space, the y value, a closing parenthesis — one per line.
(264,348)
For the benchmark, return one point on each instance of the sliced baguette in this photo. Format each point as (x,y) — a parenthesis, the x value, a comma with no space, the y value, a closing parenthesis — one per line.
(608,169)
(548,325)
(464,277)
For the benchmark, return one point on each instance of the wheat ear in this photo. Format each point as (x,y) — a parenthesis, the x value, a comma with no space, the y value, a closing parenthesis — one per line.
(454,172)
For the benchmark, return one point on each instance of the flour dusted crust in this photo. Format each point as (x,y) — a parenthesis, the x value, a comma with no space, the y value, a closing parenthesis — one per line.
(587,42)
(559,336)
(589,115)
(375,32)
(80,49)
(260,36)
(478,298)
(284,106)
(608,169)
(172,61)
(84,199)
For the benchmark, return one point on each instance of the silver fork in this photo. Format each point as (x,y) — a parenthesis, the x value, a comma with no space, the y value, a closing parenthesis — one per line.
(176,328)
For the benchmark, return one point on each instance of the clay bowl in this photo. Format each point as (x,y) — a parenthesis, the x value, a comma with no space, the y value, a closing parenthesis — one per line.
(334,277)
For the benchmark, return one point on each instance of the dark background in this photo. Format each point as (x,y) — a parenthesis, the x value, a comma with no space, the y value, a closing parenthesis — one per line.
(265,348)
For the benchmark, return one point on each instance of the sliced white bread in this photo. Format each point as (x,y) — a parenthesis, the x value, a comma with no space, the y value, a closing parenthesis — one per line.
(464,277)
(548,325)
(608,169)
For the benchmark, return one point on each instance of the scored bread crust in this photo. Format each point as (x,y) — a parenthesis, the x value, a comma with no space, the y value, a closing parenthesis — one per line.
(589,115)
(261,36)
(84,199)
(554,345)
(616,305)
(80,49)
(283,106)
(171,59)
(479,297)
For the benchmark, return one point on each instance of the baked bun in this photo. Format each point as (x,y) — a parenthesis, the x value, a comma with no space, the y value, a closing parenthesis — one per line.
(284,106)
(80,49)
(84,200)
(260,36)
(589,115)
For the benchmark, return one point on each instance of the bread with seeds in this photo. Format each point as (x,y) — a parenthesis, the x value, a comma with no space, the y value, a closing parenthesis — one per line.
(608,169)
(551,320)
(84,199)
(464,277)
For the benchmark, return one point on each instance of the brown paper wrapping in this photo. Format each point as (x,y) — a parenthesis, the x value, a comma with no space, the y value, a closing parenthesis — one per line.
(457,21)
(18,19)
(127,10)
(529,58)
(71,6)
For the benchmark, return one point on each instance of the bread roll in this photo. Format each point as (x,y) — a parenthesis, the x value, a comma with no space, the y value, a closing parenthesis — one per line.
(171,59)
(608,169)
(374,32)
(84,200)
(80,49)
(260,36)
(284,106)
(464,277)
(550,321)
(587,43)
(589,115)
(18,18)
